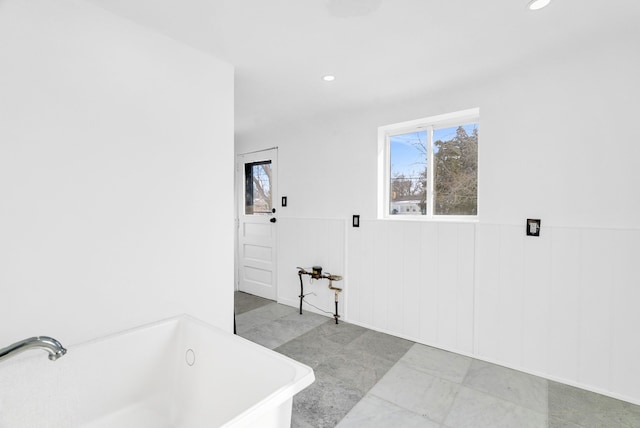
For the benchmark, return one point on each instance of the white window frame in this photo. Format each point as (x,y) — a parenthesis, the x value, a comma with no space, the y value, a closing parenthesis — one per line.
(384,162)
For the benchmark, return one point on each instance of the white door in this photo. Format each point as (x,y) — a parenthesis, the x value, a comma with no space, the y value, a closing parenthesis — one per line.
(257,193)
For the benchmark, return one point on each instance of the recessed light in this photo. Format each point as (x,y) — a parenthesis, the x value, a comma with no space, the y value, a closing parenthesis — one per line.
(329,78)
(538,4)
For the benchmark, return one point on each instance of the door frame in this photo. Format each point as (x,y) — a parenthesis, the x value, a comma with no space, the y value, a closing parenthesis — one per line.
(238,207)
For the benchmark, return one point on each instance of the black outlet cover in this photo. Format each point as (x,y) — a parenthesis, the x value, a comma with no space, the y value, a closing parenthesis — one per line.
(533,227)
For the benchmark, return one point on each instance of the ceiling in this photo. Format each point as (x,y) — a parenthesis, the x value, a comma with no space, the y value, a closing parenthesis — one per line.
(377,49)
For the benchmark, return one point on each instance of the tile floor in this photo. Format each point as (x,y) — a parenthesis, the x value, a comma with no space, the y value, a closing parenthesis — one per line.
(369,379)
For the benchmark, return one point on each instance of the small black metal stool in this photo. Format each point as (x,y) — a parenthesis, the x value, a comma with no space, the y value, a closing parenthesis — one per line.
(316,273)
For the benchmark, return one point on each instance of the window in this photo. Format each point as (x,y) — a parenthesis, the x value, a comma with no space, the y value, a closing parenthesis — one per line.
(257,194)
(428,168)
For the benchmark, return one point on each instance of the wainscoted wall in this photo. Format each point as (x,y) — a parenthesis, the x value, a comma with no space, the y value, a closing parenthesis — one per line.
(307,243)
(413,280)
(563,305)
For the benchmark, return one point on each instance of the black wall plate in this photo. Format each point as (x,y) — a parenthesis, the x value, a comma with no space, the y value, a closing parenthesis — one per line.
(533,227)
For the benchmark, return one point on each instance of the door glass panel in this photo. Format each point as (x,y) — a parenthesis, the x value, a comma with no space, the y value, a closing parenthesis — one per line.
(257,194)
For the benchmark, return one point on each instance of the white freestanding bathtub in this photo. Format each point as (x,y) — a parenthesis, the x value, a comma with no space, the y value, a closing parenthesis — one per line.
(176,373)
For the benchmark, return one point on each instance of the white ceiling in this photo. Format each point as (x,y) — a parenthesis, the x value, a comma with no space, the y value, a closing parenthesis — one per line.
(378,49)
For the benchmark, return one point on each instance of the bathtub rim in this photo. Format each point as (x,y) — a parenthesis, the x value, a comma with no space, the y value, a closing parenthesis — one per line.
(303,375)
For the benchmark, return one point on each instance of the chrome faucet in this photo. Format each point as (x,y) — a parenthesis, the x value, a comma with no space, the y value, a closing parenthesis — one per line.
(49,344)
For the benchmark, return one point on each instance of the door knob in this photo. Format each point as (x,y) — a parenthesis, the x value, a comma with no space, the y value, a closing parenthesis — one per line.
(272,220)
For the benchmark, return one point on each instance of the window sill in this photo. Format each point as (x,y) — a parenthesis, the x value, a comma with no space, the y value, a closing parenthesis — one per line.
(436,219)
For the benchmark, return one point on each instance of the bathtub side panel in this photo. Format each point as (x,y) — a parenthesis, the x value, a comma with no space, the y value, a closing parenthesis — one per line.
(230,378)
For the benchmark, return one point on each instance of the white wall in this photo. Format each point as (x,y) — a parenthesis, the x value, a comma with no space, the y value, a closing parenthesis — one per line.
(557,142)
(116,175)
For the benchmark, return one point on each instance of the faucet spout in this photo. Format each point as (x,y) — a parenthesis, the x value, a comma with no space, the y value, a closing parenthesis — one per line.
(49,344)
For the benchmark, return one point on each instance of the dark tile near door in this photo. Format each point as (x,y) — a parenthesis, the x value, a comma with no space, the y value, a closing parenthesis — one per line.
(262,315)
(280,331)
(310,348)
(244,302)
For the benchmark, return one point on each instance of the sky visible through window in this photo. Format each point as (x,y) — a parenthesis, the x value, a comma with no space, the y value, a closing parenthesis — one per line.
(407,158)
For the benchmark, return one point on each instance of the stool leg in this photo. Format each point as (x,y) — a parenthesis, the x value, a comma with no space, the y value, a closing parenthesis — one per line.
(301,291)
